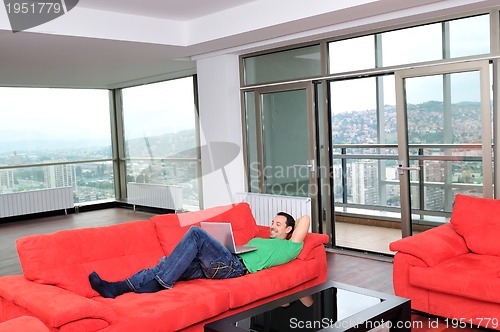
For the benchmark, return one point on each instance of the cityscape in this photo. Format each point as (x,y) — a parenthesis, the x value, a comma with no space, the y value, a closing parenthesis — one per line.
(171,159)
(375,181)
(166,159)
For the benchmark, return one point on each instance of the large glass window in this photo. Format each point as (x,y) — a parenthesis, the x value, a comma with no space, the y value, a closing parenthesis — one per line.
(364,110)
(281,66)
(161,143)
(56,138)
(469,36)
(450,39)
(352,54)
(442,125)
(363,122)
(418,44)
(445,136)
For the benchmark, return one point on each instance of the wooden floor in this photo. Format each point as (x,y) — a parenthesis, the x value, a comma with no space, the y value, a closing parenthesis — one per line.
(369,272)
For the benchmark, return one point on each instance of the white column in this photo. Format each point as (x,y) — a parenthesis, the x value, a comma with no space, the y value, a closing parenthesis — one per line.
(220,129)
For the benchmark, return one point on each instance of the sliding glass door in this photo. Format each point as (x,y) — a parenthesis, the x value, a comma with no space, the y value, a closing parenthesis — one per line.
(444,139)
(282,162)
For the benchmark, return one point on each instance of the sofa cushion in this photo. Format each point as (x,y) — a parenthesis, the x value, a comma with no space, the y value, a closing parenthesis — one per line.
(54,306)
(476,220)
(270,281)
(469,275)
(242,221)
(66,258)
(169,231)
(170,309)
(171,227)
(23,323)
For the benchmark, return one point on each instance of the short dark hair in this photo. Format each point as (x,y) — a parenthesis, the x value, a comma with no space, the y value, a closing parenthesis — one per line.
(290,221)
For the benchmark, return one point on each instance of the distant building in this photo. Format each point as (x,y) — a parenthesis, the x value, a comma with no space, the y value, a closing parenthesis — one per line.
(6,179)
(434,195)
(365,183)
(60,176)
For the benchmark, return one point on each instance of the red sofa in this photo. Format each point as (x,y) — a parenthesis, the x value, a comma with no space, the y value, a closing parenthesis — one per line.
(453,270)
(54,286)
(23,324)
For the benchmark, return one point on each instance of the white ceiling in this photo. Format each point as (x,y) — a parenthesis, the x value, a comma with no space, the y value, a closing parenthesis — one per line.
(116,43)
(175,10)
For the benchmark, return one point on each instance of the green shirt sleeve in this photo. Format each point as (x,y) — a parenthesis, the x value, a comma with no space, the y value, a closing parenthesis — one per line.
(269,253)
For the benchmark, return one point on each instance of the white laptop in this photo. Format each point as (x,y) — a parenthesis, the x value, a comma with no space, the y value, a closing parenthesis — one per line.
(223,232)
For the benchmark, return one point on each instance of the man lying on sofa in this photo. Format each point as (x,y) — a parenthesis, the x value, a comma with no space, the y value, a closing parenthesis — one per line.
(199,255)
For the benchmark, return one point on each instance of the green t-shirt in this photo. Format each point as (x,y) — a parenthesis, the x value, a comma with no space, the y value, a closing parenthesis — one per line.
(270,252)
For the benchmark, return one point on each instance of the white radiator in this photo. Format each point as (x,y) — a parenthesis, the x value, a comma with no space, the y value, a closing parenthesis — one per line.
(155,195)
(265,207)
(36,201)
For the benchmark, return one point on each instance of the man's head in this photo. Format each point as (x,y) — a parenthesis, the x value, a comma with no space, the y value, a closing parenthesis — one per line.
(282,226)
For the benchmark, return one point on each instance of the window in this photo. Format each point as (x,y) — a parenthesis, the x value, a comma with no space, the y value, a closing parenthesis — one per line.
(282,66)
(56,138)
(364,114)
(359,117)
(352,54)
(161,143)
(411,45)
(450,39)
(469,36)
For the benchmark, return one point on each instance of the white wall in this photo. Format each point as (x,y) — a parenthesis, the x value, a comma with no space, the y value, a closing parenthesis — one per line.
(220,129)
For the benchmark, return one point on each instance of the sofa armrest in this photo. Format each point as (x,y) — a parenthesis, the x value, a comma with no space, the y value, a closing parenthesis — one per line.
(312,241)
(52,305)
(432,246)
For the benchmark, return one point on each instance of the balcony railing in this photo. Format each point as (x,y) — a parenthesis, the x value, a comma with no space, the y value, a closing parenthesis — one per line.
(366,177)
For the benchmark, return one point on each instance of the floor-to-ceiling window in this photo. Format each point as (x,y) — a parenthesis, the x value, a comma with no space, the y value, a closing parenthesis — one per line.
(442,121)
(161,136)
(443,115)
(52,138)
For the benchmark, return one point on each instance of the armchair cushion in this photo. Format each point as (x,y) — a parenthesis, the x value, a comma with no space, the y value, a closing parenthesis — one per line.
(433,246)
(476,219)
(470,275)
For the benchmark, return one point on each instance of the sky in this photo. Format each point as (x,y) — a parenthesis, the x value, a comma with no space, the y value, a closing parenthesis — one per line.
(81,114)
(156,109)
(53,113)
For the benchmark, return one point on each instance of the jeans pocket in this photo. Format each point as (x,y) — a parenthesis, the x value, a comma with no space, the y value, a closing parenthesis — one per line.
(221,270)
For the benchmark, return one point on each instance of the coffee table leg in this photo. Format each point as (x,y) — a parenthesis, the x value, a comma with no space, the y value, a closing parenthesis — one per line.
(402,321)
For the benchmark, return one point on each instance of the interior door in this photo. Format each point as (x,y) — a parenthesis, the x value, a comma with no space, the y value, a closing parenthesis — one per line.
(444,138)
(287,141)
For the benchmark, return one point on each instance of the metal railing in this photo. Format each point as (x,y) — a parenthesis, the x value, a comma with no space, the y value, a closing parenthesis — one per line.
(418,156)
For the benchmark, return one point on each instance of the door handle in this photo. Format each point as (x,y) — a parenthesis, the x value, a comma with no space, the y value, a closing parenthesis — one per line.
(402,169)
(310,165)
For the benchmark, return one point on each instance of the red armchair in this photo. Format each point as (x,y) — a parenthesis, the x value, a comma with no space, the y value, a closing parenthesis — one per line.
(453,270)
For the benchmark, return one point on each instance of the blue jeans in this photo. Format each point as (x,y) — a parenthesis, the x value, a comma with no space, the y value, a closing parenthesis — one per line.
(197,255)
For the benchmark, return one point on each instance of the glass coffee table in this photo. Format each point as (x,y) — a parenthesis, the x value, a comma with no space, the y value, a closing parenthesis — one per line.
(331,306)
